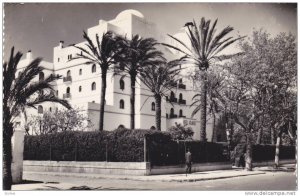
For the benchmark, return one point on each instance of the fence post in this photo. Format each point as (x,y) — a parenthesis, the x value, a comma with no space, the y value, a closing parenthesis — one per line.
(50,152)
(76,149)
(145,148)
(106,155)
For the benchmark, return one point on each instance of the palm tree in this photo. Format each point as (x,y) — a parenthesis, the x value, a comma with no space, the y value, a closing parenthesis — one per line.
(159,79)
(216,103)
(18,94)
(101,53)
(136,54)
(205,48)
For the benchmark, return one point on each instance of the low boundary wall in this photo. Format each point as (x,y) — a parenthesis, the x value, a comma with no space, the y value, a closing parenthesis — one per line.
(110,168)
(128,168)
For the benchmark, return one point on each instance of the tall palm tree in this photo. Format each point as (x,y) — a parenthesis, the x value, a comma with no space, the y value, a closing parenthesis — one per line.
(205,48)
(136,54)
(159,79)
(216,103)
(101,53)
(18,94)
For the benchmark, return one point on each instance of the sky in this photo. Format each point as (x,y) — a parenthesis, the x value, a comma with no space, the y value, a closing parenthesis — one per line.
(40,27)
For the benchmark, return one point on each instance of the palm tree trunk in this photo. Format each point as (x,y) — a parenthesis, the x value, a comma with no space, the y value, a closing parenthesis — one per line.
(214,134)
(7,156)
(158,112)
(248,155)
(102,98)
(277,151)
(132,102)
(203,93)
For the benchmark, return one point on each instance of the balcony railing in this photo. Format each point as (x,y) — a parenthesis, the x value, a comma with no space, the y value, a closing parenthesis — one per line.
(67,95)
(173,99)
(173,116)
(68,79)
(182,86)
(182,101)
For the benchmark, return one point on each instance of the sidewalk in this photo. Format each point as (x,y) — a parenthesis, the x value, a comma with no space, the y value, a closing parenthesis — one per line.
(198,176)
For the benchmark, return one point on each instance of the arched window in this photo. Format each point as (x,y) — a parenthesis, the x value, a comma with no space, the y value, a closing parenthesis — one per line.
(121,126)
(153,106)
(172,95)
(68,73)
(41,76)
(50,109)
(93,86)
(122,105)
(80,88)
(152,128)
(180,96)
(80,71)
(93,68)
(172,111)
(180,113)
(40,109)
(68,90)
(122,84)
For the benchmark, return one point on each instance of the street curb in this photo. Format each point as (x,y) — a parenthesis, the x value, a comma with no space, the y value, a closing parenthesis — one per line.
(146,178)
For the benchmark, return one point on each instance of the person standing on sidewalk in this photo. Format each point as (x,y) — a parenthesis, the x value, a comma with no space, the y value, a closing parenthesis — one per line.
(188,161)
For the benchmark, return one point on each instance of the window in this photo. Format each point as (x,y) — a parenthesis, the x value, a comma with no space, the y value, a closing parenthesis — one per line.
(40,109)
(19,74)
(68,90)
(57,59)
(180,96)
(80,53)
(50,109)
(68,73)
(122,84)
(172,111)
(153,106)
(152,128)
(80,89)
(93,101)
(93,86)
(180,113)
(93,68)
(180,81)
(172,95)
(80,71)
(70,57)
(56,92)
(121,126)
(41,76)
(122,105)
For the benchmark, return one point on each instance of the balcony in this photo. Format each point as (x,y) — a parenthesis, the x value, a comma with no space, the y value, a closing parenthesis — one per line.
(174,84)
(182,86)
(173,116)
(67,95)
(68,79)
(172,99)
(182,101)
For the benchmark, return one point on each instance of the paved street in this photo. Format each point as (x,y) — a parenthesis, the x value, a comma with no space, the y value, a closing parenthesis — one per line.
(267,181)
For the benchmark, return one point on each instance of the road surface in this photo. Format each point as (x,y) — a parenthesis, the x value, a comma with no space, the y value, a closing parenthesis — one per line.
(267,181)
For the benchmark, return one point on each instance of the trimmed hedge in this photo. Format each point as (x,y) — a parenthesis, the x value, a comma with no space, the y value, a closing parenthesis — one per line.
(267,152)
(121,145)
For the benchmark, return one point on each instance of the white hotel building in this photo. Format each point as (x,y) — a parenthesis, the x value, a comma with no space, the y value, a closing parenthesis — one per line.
(81,83)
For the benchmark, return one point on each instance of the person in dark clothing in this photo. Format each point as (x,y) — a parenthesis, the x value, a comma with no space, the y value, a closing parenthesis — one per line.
(188,161)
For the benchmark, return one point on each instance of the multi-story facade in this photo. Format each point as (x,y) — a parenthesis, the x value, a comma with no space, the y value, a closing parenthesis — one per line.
(81,83)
